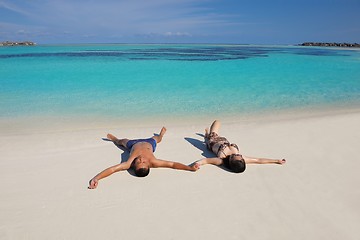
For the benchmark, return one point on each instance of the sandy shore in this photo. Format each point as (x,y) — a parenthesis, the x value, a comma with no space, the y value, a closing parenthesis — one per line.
(44,176)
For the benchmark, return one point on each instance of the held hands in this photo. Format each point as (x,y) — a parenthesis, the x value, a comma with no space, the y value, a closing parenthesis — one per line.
(196,165)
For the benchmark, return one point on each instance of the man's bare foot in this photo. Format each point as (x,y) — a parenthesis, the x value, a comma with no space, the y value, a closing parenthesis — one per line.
(159,137)
(162,132)
(111,137)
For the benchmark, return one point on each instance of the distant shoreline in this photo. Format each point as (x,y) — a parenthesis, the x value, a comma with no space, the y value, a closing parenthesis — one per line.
(25,43)
(324,44)
(306,44)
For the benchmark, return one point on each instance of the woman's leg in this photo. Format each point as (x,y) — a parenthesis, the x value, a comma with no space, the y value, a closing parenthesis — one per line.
(215,127)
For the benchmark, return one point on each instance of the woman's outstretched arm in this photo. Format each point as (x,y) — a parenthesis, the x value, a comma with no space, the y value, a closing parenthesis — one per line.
(254,160)
(212,161)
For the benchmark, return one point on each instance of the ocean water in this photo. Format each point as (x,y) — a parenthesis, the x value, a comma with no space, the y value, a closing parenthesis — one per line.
(132,81)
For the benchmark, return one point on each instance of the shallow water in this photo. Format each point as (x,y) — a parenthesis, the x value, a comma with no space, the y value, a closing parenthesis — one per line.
(129,81)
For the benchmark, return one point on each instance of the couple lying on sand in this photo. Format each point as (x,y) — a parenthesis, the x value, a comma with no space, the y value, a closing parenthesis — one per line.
(141,157)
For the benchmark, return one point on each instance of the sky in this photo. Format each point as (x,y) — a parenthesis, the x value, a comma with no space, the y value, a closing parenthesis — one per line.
(180,21)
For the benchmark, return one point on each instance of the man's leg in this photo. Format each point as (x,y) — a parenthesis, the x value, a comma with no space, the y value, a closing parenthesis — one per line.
(159,137)
(116,141)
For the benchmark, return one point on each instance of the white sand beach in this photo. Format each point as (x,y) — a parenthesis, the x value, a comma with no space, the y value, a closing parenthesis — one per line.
(315,195)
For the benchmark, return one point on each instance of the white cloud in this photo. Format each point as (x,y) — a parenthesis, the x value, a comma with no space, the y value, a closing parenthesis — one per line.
(21,31)
(177,34)
(13,8)
(131,16)
(118,19)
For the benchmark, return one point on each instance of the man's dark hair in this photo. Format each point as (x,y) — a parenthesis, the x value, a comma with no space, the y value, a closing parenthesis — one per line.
(237,166)
(142,172)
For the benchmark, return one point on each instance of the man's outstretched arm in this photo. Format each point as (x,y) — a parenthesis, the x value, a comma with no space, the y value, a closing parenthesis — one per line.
(254,160)
(158,163)
(107,172)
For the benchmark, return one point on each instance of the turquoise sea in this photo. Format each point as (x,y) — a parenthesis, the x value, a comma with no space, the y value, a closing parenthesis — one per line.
(130,81)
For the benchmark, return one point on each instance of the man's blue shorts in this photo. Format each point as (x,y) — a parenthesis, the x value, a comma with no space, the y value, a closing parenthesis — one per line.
(131,143)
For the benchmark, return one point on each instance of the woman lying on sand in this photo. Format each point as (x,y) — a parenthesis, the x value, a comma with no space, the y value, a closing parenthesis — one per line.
(228,154)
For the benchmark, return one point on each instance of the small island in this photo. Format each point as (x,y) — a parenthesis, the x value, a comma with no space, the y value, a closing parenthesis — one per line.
(325,44)
(9,43)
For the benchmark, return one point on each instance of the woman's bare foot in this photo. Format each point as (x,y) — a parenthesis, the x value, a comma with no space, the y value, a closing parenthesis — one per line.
(112,137)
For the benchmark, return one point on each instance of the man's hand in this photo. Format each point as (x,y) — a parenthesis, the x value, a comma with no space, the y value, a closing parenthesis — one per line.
(93,183)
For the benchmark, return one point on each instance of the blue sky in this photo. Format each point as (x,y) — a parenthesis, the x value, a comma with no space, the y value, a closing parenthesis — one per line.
(180,21)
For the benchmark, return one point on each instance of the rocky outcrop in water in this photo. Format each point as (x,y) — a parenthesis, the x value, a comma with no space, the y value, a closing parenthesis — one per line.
(323,44)
(26,43)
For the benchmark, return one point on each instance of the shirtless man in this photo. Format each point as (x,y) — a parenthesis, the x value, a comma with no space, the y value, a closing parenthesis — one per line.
(141,158)
(228,154)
